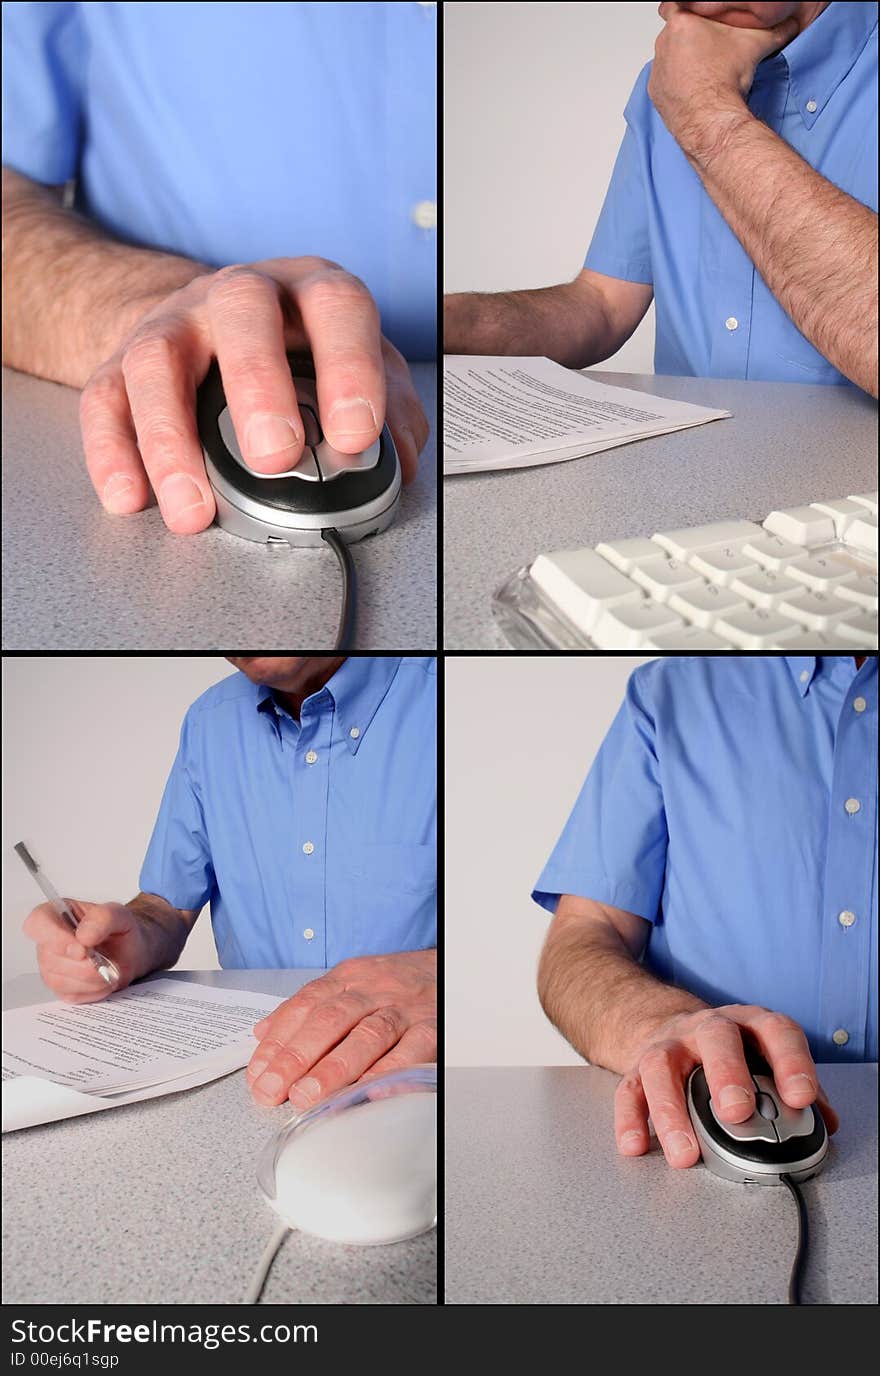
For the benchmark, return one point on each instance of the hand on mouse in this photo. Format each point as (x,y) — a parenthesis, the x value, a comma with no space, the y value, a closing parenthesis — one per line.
(711,1037)
(62,954)
(366,1017)
(137,410)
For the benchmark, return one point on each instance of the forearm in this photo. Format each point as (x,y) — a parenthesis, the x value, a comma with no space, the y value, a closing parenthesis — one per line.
(567,323)
(600,999)
(814,246)
(161,932)
(70,292)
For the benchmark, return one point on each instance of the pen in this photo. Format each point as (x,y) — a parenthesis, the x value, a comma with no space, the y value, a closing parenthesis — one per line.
(104,966)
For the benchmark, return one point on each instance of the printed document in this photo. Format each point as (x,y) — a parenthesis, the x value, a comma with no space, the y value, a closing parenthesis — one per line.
(519,412)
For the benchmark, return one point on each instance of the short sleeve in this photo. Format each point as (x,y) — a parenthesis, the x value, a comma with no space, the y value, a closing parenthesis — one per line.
(44,62)
(621,245)
(178,865)
(613,846)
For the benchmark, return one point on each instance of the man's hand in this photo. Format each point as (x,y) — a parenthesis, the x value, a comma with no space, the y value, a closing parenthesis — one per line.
(710,1037)
(366,1017)
(62,955)
(703,71)
(137,410)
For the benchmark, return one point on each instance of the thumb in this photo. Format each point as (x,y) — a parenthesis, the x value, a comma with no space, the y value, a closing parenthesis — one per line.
(98,921)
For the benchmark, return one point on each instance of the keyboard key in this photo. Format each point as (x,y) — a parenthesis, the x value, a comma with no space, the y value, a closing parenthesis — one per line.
(681,543)
(860,631)
(581,584)
(688,638)
(755,628)
(821,572)
(723,564)
(771,551)
(626,554)
(802,525)
(862,534)
(628,625)
(822,640)
(763,587)
(863,592)
(660,577)
(818,611)
(868,501)
(842,512)
(702,605)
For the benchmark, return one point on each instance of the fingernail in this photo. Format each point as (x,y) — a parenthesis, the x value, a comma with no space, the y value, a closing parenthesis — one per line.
(304,1094)
(678,1143)
(353,417)
(631,1138)
(270,1083)
(259,1027)
(115,493)
(268,434)
(256,1067)
(732,1096)
(180,493)
(799,1084)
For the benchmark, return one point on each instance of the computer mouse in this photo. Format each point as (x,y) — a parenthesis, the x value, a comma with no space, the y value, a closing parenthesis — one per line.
(361,1167)
(355,494)
(775,1141)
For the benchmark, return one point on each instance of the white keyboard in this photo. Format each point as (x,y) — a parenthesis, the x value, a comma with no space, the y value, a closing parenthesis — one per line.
(806,578)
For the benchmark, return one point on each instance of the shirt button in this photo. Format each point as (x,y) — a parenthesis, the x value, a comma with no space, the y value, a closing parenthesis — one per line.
(811,106)
(354,732)
(852,806)
(308,934)
(840,1037)
(308,848)
(311,757)
(424,214)
(805,674)
(859,704)
(731,322)
(846,918)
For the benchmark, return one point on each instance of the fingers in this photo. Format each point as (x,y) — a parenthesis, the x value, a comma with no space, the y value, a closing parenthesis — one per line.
(832,1121)
(417,1046)
(406,417)
(365,1044)
(341,323)
(46,928)
(161,397)
(277,1065)
(71,977)
(631,1117)
(110,444)
(731,1088)
(783,1044)
(662,1071)
(247,328)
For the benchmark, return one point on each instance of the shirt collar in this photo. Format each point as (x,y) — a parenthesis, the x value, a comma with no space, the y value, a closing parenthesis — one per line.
(820,57)
(356,689)
(806,668)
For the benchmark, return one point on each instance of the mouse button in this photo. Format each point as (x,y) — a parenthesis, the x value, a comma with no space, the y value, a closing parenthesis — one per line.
(306,468)
(753,1129)
(794,1122)
(766,1105)
(334,464)
(311,424)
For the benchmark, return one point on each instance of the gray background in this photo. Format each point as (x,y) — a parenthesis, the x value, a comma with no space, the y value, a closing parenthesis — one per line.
(533,118)
(521,734)
(87,746)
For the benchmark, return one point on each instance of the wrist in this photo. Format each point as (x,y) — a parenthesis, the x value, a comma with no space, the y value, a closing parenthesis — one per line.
(707,140)
(661,1024)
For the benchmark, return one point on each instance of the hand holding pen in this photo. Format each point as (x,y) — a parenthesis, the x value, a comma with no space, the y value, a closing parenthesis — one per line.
(55,932)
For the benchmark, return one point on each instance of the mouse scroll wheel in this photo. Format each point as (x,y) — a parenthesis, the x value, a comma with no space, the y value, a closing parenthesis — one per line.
(765,1106)
(314,433)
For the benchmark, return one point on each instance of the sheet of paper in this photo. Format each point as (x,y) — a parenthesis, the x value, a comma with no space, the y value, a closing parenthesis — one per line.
(518,412)
(145,1035)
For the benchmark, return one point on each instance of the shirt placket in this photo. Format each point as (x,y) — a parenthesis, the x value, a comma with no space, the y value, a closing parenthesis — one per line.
(311,777)
(846,954)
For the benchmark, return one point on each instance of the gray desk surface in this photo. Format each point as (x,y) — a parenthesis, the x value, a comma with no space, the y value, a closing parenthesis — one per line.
(787,443)
(540,1208)
(76,578)
(183,1220)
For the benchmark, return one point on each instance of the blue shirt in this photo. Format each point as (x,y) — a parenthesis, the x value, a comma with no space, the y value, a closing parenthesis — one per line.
(313,841)
(733,804)
(659,225)
(236,132)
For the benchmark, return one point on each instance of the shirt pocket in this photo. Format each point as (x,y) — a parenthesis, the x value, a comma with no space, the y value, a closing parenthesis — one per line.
(395,869)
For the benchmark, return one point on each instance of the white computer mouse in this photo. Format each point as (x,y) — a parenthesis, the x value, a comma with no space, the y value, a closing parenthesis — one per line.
(360,1169)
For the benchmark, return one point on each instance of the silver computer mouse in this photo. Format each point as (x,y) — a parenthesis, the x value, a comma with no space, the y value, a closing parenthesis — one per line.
(355,494)
(775,1141)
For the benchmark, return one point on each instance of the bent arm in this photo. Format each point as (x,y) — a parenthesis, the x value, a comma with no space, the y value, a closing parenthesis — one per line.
(593,989)
(814,246)
(575,323)
(70,292)
(161,932)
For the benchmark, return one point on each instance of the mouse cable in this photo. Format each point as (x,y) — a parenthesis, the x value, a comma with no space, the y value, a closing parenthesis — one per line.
(255,1289)
(797,1269)
(345,631)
